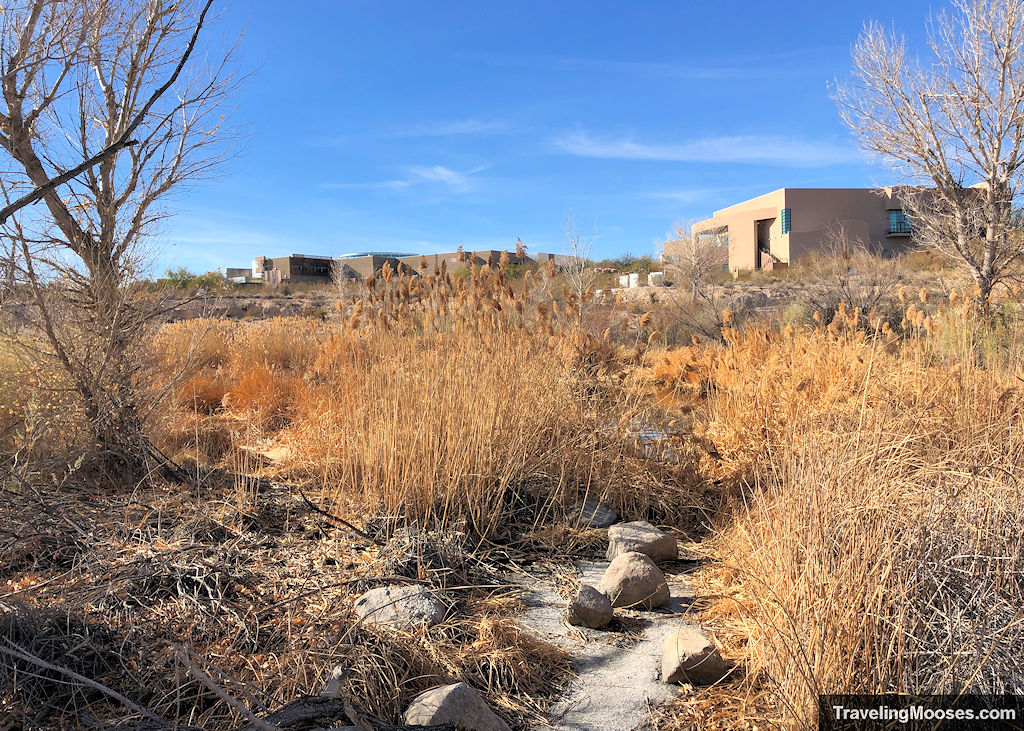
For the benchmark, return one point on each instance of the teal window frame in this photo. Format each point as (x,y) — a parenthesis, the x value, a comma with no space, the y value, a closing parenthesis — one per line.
(787,220)
(898,222)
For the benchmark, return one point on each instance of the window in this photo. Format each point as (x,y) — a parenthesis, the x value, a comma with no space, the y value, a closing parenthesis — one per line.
(787,215)
(898,222)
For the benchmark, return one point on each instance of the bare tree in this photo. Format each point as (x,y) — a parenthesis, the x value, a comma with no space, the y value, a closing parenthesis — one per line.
(695,256)
(846,272)
(954,125)
(81,79)
(579,270)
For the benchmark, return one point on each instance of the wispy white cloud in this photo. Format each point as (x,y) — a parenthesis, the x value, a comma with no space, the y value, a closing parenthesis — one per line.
(697,195)
(736,66)
(458,182)
(441,174)
(682,196)
(763,149)
(442,128)
(452,128)
(397,184)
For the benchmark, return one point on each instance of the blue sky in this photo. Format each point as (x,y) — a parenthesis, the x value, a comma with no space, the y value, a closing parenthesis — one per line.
(422,126)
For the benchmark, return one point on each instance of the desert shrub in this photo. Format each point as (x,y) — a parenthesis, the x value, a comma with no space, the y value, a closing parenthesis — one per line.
(515,271)
(847,273)
(876,546)
(436,399)
(185,281)
(628,263)
(39,416)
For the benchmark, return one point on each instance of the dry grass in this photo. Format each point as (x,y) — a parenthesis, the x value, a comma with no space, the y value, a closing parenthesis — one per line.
(452,420)
(262,598)
(433,400)
(39,414)
(876,544)
(869,538)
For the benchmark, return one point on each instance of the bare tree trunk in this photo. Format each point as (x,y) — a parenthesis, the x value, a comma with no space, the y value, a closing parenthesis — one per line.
(79,80)
(953,125)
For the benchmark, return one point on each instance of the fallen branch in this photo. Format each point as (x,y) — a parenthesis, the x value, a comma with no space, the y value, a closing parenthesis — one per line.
(19,652)
(330,516)
(256,723)
(323,711)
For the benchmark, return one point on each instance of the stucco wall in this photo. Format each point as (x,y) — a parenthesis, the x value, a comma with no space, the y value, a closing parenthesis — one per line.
(862,213)
(815,213)
(741,220)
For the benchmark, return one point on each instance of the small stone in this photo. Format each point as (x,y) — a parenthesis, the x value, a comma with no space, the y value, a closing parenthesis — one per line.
(644,538)
(589,608)
(403,607)
(593,514)
(690,657)
(632,580)
(459,704)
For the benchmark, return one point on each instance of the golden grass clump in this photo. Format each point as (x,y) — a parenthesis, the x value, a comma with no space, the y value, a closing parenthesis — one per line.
(39,413)
(877,544)
(436,399)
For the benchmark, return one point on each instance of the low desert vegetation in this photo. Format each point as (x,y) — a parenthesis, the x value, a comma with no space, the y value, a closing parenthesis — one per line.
(431,399)
(874,543)
(191,508)
(852,477)
(432,428)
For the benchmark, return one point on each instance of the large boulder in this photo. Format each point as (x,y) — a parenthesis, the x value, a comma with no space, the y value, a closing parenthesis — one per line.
(402,607)
(589,608)
(690,657)
(644,538)
(633,581)
(458,704)
(592,513)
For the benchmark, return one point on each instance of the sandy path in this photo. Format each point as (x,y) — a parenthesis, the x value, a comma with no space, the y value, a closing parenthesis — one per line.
(618,666)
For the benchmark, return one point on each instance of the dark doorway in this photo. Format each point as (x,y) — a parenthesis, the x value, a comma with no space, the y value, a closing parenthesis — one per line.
(764,240)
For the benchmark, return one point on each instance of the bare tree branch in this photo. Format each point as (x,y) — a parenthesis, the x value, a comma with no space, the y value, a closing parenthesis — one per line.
(14,651)
(113,75)
(954,129)
(124,139)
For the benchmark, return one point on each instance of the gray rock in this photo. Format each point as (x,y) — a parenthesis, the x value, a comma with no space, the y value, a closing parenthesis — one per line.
(643,538)
(403,607)
(690,657)
(632,580)
(593,514)
(589,608)
(458,704)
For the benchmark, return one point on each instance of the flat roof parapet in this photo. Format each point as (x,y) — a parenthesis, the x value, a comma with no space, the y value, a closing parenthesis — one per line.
(390,254)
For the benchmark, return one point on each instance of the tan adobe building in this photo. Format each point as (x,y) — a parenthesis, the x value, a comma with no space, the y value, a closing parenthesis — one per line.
(305,269)
(297,268)
(778,228)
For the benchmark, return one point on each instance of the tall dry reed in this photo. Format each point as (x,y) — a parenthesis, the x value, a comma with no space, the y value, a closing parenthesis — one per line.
(430,399)
(876,547)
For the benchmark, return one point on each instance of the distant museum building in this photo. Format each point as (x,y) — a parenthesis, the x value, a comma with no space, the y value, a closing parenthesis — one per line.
(779,228)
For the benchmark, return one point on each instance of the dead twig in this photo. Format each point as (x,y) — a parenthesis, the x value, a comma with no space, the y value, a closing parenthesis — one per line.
(194,670)
(15,651)
(336,519)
